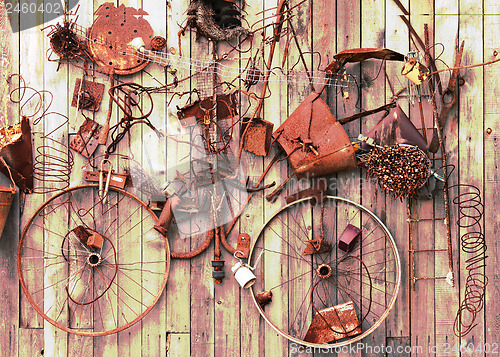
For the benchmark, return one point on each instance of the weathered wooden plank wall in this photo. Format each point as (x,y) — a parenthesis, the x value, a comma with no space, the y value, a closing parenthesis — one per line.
(197,317)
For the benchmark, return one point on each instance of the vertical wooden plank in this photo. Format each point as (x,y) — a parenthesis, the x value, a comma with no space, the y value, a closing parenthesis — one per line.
(178,344)
(348,36)
(324,34)
(31,342)
(31,53)
(56,340)
(396,38)
(178,292)
(201,282)
(154,332)
(422,330)
(80,345)
(252,218)
(275,111)
(471,128)
(9,114)
(300,221)
(372,24)
(446,27)
(491,163)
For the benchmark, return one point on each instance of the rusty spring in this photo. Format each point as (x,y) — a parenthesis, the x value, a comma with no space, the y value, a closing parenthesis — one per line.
(470,213)
(53,160)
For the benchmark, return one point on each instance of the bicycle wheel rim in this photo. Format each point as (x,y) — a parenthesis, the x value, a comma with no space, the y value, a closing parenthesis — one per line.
(341,342)
(161,268)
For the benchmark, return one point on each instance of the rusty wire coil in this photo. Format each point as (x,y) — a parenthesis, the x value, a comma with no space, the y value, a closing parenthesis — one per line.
(470,214)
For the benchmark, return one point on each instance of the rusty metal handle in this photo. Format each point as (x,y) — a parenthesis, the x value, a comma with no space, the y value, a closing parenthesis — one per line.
(103,135)
(166,216)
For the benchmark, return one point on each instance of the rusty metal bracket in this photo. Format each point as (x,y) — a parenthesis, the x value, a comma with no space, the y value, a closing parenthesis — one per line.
(118,180)
(318,192)
(243,247)
(86,140)
(316,246)
(87,95)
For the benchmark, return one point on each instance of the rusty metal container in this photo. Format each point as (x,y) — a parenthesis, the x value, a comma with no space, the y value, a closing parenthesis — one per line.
(6,196)
(315,142)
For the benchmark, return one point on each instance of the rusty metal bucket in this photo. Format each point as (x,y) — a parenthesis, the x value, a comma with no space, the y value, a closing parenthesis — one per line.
(316,144)
(6,196)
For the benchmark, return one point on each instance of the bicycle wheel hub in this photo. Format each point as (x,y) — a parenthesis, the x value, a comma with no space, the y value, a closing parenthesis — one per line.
(94,259)
(324,271)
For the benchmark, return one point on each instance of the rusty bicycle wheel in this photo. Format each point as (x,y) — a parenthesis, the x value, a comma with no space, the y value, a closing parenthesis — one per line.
(330,271)
(93,266)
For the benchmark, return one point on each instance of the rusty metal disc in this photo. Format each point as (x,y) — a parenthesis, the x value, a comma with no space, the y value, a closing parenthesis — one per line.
(112,31)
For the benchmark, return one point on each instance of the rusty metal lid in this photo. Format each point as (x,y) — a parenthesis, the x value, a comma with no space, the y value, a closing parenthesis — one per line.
(110,34)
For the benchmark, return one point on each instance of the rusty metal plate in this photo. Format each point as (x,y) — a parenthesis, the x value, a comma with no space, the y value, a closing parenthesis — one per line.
(315,142)
(257,137)
(17,152)
(110,35)
(86,140)
(90,95)
(333,323)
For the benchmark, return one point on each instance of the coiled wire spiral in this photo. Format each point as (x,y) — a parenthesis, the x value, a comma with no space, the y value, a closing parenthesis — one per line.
(470,211)
(53,160)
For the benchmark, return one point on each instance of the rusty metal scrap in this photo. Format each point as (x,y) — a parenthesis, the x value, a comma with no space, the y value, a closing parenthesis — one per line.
(316,246)
(87,95)
(349,238)
(264,298)
(17,153)
(362,54)
(316,144)
(65,43)
(333,323)
(110,33)
(257,137)
(317,193)
(396,128)
(86,140)
(158,43)
(192,113)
